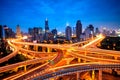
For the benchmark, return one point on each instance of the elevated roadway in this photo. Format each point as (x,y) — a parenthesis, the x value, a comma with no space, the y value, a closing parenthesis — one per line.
(73,68)
(76,52)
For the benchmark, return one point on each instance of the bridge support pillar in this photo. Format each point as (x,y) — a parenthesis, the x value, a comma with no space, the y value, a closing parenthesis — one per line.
(68,62)
(43,49)
(78,75)
(27,47)
(84,60)
(100,75)
(48,50)
(79,60)
(16,69)
(115,57)
(36,48)
(25,68)
(93,75)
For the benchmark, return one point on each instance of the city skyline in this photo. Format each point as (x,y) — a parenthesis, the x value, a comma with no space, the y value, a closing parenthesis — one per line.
(33,14)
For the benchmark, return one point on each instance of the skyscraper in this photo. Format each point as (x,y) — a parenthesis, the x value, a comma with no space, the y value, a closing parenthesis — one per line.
(68,33)
(8,32)
(91,29)
(46,30)
(74,31)
(30,31)
(37,31)
(78,29)
(54,33)
(97,31)
(46,26)
(1,32)
(18,32)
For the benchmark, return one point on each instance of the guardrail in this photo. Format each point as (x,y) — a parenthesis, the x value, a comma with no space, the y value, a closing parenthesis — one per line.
(73,69)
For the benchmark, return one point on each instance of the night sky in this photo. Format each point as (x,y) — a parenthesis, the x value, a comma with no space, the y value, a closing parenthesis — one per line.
(32,13)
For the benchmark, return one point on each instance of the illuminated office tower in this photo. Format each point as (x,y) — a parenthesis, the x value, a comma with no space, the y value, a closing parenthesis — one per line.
(18,32)
(46,26)
(30,31)
(68,33)
(74,31)
(91,29)
(54,33)
(97,31)
(78,29)
(46,30)
(8,32)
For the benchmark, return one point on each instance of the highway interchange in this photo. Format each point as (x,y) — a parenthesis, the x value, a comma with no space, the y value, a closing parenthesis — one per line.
(86,51)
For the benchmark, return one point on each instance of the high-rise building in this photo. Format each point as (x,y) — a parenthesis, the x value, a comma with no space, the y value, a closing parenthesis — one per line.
(74,31)
(46,26)
(46,30)
(35,33)
(68,33)
(97,31)
(8,32)
(91,29)
(18,32)
(54,32)
(78,29)
(89,32)
(30,31)
(1,32)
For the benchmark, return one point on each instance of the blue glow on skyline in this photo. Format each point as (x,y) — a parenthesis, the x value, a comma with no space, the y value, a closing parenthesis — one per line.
(32,13)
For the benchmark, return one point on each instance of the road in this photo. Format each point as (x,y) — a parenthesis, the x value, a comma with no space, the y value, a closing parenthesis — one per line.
(84,52)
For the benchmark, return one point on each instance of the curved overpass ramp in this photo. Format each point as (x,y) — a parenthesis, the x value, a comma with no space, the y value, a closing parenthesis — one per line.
(65,70)
(6,58)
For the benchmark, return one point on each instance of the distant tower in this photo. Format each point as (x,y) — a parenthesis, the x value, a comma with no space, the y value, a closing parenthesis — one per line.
(18,32)
(46,30)
(68,33)
(97,31)
(1,32)
(91,29)
(30,31)
(78,29)
(46,25)
(74,31)
(54,32)
(8,32)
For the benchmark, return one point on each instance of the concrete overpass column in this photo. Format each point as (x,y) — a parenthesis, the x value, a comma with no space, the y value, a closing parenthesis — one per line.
(25,68)
(78,75)
(68,62)
(79,60)
(36,48)
(100,75)
(16,69)
(43,49)
(48,50)
(27,47)
(115,57)
(93,75)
